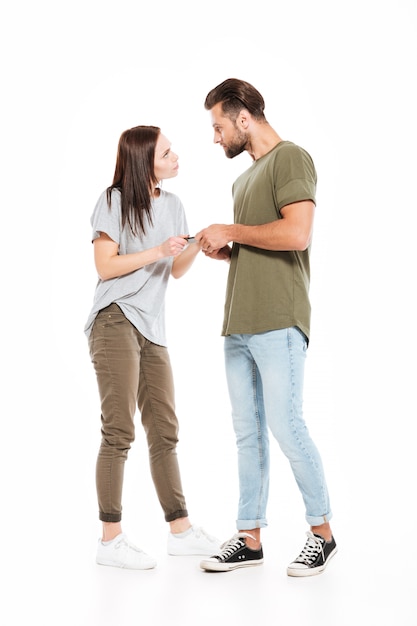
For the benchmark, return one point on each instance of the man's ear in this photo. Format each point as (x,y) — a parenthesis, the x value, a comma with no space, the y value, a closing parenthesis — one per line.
(243,119)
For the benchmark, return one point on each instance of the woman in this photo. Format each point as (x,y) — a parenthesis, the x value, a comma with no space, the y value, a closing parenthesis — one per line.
(139,237)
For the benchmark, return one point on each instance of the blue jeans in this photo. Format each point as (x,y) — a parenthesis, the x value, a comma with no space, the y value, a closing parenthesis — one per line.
(265,375)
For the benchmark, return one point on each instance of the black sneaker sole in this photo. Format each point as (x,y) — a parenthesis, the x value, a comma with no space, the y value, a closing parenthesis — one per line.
(310,571)
(216,566)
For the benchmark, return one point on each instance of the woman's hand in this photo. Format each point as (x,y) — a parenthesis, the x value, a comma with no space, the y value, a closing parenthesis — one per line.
(183,261)
(173,246)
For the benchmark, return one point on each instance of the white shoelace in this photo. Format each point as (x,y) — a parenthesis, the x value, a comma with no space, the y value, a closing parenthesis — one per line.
(311,550)
(233,545)
(124,542)
(200,532)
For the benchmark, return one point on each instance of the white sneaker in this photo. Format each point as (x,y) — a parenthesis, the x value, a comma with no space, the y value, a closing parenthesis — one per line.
(195,542)
(120,552)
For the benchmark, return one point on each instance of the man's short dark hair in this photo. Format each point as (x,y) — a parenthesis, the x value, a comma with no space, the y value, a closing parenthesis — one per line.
(235,95)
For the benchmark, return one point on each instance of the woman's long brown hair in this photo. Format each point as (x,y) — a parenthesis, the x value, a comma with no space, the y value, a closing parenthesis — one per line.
(134,176)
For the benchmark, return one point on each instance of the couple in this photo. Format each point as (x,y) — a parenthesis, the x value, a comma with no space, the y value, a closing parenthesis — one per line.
(140,238)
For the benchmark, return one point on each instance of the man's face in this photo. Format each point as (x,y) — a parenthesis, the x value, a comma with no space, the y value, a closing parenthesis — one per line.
(227,133)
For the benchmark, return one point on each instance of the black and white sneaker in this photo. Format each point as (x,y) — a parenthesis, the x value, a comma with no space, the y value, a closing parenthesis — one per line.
(234,553)
(313,557)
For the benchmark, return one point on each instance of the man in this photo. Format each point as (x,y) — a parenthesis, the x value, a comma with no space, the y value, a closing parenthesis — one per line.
(267,323)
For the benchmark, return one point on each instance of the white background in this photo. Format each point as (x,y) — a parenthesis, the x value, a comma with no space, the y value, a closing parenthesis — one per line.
(337,78)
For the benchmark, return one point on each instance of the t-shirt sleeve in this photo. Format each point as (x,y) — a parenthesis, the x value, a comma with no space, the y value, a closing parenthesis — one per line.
(106,219)
(297,176)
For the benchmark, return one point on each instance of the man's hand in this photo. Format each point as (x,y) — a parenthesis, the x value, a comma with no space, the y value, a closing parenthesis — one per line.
(214,237)
(220,255)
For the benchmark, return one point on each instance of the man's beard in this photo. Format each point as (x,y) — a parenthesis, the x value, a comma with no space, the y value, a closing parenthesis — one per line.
(237,146)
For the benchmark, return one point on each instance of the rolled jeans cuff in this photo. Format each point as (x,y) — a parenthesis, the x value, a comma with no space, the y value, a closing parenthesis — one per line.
(249,524)
(313,520)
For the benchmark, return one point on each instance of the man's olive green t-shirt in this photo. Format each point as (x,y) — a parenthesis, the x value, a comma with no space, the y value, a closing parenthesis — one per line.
(268,290)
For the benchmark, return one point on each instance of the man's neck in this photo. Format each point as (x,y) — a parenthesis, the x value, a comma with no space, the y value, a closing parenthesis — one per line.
(262,142)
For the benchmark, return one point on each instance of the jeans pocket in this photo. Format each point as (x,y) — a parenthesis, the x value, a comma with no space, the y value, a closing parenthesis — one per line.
(303,336)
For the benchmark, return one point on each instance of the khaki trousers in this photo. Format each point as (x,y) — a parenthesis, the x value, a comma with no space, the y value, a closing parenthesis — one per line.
(132,372)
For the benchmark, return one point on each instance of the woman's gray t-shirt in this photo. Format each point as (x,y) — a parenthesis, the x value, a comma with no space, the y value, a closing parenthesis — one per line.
(140,294)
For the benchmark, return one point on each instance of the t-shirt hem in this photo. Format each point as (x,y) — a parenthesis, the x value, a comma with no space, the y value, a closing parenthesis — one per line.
(245,330)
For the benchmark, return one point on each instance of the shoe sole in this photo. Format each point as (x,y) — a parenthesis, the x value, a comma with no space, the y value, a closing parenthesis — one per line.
(227,567)
(120,566)
(200,553)
(313,571)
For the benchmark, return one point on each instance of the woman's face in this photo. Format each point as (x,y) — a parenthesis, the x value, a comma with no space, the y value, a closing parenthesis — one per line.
(166,161)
